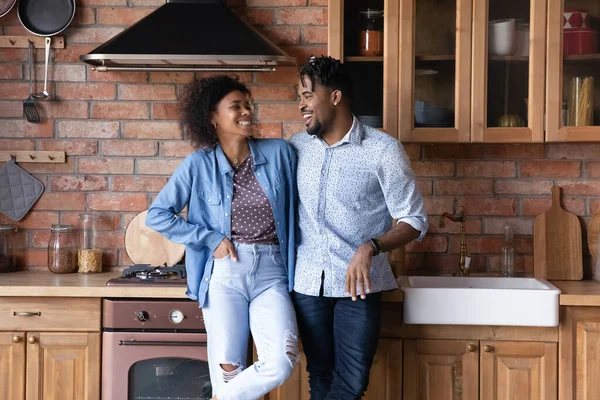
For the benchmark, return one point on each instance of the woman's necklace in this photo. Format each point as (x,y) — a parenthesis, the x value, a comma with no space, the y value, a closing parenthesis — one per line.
(236,161)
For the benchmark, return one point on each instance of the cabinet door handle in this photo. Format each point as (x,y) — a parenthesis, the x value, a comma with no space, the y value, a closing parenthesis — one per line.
(487,348)
(31,340)
(471,348)
(16,339)
(26,313)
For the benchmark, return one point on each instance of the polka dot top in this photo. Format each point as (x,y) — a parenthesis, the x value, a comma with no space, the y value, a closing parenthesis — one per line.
(252,218)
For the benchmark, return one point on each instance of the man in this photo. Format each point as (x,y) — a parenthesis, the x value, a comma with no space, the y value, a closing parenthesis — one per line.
(352,181)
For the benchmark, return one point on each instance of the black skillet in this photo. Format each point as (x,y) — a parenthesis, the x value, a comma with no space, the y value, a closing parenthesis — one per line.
(6,6)
(46,17)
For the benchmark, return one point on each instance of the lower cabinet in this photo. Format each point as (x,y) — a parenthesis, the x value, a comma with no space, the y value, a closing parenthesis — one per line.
(486,370)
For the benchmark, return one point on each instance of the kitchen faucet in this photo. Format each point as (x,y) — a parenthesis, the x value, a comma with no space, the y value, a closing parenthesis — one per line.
(463,266)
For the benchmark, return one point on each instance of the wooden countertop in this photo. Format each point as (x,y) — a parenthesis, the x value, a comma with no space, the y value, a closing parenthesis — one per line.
(578,293)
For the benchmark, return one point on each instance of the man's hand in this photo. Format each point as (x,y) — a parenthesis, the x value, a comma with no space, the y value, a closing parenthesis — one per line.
(224,249)
(358,271)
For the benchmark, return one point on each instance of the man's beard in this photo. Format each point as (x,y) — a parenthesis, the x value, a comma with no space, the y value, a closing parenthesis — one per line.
(315,130)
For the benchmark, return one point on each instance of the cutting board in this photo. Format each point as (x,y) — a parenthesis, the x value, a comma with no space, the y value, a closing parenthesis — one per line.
(594,233)
(557,248)
(146,246)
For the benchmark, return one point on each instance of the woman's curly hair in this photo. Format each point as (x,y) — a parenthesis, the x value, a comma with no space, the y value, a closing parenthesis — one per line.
(199,104)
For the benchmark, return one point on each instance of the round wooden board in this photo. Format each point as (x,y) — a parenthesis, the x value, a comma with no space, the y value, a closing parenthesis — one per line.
(146,246)
(593,233)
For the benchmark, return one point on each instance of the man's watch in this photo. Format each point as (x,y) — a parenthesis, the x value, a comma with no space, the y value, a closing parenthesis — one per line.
(377,248)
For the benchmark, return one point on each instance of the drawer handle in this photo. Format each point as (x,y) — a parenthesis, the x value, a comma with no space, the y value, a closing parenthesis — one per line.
(26,313)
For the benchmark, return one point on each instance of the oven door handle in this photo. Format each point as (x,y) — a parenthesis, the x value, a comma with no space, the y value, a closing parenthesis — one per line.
(158,343)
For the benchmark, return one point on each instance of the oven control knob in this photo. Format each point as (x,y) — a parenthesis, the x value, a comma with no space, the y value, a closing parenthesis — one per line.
(142,316)
(176,316)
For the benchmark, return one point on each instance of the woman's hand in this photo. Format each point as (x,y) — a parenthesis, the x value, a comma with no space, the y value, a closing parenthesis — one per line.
(224,249)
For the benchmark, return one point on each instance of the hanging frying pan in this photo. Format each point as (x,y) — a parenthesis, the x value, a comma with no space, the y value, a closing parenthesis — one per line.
(6,6)
(46,17)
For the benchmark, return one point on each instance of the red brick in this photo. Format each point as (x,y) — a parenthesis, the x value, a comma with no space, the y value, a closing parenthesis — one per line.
(121,16)
(84,16)
(175,148)
(10,71)
(580,187)
(89,3)
(29,258)
(260,16)
(137,184)
(14,55)
(12,91)
(318,2)
(302,16)
(59,73)
(515,186)
(88,129)
(92,35)
(120,110)
(425,186)
(120,77)
(269,130)
(16,31)
(16,144)
(413,150)
(147,92)
(452,151)
(60,201)
(127,218)
(550,169)
(171,77)
(86,91)
(124,258)
(71,53)
(71,147)
(592,169)
(107,221)
(433,168)
(438,205)
(472,226)
(147,3)
(489,206)
(53,168)
(520,226)
(275,3)
(278,112)
(517,151)
(105,165)
(157,167)
(491,244)
(152,130)
(22,129)
(270,92)
(10,109)
(109,259)
(523,263)
(463,187)
(486,169)
(63,109)
(283,75)
(291,128)
(286,35)
(40,239)
(33,220)
(129,148)
(111,240)
(117,201)
(536,206)
(78,183)
(302,54)
(245,77)
(576,151)
(429,244)
(314,35)
(166,111)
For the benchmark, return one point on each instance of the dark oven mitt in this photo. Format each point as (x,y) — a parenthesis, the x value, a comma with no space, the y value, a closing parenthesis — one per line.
(18,191)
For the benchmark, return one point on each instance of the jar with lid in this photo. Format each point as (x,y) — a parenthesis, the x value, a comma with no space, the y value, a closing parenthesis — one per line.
(371,33)
(89,257)
(62,250)
(8,262)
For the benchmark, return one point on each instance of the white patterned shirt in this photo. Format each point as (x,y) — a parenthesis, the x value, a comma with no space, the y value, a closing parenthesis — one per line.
(348,193)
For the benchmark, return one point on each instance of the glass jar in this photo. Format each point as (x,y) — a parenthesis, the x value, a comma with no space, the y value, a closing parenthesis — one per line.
(62,250)
(89,257)
(371,33)
(8,260)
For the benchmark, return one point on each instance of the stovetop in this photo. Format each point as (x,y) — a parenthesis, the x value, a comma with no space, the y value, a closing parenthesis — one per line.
(146,274)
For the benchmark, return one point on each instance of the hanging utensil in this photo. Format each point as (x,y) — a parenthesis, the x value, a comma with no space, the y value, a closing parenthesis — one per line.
(6,6)
(45,94)
(29,110)
(46,17)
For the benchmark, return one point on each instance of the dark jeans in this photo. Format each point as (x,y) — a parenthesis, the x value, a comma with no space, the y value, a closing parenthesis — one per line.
(339,337)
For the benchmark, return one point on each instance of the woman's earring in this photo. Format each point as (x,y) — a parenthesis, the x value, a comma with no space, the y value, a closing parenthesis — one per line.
(215,125)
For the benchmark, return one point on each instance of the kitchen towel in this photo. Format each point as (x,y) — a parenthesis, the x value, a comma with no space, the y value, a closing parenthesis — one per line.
(18,191)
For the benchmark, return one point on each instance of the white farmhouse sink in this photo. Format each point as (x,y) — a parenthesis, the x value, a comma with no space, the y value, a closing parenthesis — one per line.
(479,301)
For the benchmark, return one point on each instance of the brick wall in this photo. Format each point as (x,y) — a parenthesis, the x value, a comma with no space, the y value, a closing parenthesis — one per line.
(123,140)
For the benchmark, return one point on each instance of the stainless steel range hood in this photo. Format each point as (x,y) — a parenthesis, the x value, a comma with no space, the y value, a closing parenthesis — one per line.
(189,35)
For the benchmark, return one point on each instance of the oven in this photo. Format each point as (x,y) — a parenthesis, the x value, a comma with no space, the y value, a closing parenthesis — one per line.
(154,350)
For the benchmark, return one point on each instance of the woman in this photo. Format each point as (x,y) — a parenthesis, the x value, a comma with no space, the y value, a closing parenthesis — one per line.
(239,237)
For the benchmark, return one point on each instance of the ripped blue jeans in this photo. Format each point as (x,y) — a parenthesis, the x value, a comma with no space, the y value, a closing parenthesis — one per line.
(250,295)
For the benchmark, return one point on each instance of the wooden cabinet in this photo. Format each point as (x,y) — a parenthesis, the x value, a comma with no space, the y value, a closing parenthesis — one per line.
(52,350)
(579,362)
(486,370)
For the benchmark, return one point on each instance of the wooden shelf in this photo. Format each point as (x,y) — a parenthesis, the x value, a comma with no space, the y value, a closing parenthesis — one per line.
(364,59)
(33,156)
(22,42)
(448,57)
(508,58)
(583,57)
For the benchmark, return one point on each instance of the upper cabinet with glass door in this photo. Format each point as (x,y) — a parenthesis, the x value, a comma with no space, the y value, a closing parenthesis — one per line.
(435,70)
(364,35)
(573,71)
(508,71)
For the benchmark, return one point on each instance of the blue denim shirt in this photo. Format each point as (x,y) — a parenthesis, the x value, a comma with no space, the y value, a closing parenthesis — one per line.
(204,183)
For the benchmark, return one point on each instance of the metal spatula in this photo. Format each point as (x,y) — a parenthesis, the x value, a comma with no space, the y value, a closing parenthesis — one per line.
(29,110)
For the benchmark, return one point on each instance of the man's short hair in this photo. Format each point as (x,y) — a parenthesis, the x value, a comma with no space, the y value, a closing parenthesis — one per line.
(328,72)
